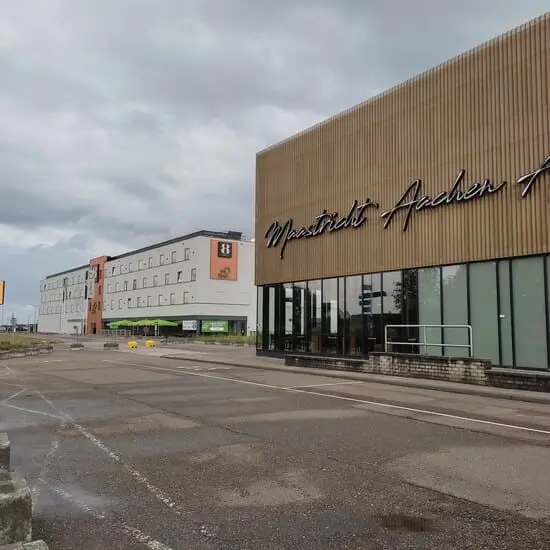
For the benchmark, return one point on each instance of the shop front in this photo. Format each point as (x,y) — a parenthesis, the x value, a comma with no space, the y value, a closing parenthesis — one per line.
(417,222)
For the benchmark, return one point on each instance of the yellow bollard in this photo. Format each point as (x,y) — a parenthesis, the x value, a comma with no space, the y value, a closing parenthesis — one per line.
(132,344)
(149,343)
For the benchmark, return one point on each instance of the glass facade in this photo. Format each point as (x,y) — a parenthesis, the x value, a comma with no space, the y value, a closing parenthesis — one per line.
(505,304)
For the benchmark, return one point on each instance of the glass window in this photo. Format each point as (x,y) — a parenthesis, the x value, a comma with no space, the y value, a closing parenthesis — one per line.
(186,254)
(186,297)
(392,306)
(194,274)
(454,279)
(529,312)
(429,310)
(299,316)
(259,316)
(315,308)
(172,299)
(484,310)
(173,256)
(271,317)
(149,301)
(371,303)
(330,315)
(134,284)
(505,314)
(161,299)
(180,276)
(150,262)
(167,278)
(353,315)
(144,282)
(155,280)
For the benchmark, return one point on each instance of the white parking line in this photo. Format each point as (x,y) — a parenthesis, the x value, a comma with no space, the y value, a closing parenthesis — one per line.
(323,385)
(348,399)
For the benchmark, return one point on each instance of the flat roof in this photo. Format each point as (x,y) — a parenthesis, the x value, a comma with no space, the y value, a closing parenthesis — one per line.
(227,235)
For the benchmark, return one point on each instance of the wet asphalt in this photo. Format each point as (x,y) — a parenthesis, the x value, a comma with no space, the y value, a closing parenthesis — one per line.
(139,452)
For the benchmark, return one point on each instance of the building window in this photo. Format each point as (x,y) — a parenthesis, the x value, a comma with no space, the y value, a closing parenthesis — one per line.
(120,303)
(299,315)
(186,297)
(353,315)
(454,295)
(109,288)
(315,314)
(186,254)
(145,282)
(129,302)
(529,310)
(139,265)
(172,299)
(329,321)
(371,303)
(161,299)
(113,271)
(161,259)
(167,278)
(130,266)
(117,287)
(150,262)
(149,301)
(429,309)
(505,314)
(112,304)
(125,285)
(194,274)
(392,310)
(484,317)
(155,280)
(173,256)
(138,301)
(134,284)
(180,276)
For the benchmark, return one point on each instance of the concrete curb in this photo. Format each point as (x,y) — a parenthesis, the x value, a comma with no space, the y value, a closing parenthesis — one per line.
(25,352)
(463,389)
(15,510)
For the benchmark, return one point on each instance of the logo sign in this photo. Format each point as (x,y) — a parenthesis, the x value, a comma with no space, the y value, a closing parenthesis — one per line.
(224,260)
(189,325)
(215,326)
(225,249)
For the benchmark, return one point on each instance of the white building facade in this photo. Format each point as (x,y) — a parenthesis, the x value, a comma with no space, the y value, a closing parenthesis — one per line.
(204,281)
(206,278)
(63,302)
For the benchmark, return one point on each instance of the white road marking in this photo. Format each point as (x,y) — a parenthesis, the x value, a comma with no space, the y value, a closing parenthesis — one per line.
(138,476)
(13,396)
(349,399)
(136,534)
(323,385)
(32,411)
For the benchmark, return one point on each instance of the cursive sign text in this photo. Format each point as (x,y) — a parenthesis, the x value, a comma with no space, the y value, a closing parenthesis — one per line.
(326,222)
(413,200)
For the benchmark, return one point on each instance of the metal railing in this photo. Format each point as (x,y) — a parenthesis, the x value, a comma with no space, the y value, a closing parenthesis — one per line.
(423,342)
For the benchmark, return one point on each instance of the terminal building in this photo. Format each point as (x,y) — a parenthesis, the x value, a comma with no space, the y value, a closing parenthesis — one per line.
(418,221)
(204,281)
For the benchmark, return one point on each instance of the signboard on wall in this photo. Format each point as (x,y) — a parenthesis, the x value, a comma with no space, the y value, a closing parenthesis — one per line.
(189,324)
(224,260)
(215,326)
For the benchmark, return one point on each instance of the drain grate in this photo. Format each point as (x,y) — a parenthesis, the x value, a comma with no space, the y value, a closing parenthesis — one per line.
(396,522)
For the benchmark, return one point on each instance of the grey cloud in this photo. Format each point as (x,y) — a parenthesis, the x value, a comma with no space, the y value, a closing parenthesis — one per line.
(132,121)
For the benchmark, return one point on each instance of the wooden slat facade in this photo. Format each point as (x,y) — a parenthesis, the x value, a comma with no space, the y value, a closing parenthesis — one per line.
(487,111)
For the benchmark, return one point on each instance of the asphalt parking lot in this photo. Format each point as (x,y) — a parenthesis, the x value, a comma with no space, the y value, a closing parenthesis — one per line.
(135,451)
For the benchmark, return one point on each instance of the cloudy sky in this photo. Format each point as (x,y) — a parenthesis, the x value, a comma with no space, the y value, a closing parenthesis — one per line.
(124,122)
